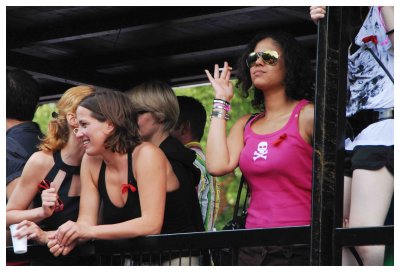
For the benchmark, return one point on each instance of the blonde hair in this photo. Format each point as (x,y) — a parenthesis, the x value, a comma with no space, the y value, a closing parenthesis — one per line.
(58,128)
(158,98)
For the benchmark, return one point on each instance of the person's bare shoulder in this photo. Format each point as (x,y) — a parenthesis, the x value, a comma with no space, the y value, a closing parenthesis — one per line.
(40,160)
(306,121)
(146,151)
(308,112)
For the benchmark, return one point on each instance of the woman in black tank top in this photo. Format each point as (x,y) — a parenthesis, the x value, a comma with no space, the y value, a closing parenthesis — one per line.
(126,175)
(51,176)
(158,110)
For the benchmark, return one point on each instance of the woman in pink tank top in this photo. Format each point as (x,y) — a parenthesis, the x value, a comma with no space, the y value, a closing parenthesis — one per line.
(273,150)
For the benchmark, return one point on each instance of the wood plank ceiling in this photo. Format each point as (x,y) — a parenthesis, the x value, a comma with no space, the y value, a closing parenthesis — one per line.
(118,47)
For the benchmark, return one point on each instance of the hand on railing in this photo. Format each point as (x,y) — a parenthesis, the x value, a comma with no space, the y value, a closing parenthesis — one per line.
(317,13)
(65,238)
(57,249)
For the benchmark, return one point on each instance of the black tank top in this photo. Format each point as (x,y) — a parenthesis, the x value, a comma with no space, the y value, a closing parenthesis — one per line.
(71,204)
(112,214)
(179,216)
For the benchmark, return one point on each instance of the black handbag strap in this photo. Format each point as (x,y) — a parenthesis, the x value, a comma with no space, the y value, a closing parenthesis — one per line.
(235,211)
(356,255)
(381,64)
(242,181)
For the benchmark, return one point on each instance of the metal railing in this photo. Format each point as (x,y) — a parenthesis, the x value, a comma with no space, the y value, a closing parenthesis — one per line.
(221,246)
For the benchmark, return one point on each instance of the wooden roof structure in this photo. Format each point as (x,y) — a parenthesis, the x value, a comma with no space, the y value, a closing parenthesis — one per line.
(118,47)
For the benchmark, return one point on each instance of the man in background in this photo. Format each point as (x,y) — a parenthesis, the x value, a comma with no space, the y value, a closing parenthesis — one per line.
(22,135)
(189,130)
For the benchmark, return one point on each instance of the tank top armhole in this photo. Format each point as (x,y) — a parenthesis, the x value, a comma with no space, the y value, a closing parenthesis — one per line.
(296,120)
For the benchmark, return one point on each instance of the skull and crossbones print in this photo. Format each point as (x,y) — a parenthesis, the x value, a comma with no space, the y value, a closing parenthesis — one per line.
(261,152)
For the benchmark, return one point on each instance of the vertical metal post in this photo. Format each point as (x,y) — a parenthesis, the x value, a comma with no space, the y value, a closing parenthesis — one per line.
(329,134)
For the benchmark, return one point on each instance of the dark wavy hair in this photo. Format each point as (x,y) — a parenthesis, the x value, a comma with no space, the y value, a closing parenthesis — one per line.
(115,107)
(298,80)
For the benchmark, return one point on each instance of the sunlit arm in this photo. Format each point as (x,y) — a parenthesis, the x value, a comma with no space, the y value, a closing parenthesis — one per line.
(17,208)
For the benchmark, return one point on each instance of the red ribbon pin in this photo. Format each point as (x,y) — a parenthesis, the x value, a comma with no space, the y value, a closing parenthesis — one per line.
(280,139)
(125,187)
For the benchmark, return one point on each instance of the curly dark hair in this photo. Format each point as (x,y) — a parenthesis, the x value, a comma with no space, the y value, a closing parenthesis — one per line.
(298,80)
(115,107)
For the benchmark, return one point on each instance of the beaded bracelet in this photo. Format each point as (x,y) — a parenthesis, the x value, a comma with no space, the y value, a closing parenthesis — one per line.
(219,105)
(220,114)
(390,32)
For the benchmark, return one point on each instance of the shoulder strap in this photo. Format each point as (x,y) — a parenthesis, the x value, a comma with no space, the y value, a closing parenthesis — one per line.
(252,116)
(54,170)
(131,178)
(101,181)
(381,64)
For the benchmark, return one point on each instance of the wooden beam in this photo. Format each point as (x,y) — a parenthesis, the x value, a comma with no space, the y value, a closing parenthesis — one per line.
(125,20)
(56,71)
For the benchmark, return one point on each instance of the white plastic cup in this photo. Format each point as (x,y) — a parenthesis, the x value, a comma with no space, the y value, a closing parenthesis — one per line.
(20,245)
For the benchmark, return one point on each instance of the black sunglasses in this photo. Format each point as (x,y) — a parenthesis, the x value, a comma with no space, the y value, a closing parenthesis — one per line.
(269,57)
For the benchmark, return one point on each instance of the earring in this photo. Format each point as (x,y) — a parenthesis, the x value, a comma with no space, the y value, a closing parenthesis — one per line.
(75,130)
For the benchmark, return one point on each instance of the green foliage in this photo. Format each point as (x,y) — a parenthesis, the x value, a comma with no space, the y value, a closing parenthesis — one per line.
(230,182)
(43,115)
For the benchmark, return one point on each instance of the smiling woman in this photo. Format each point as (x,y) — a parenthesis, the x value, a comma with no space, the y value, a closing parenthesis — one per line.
(50,178)
(275,67)
(115,170)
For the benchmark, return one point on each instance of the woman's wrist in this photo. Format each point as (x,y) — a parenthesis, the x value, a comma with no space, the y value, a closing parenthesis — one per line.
(45,237)
(222,97)
(41,214)
(89,233)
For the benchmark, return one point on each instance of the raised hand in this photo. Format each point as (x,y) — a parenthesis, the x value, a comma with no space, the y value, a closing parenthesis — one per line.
(221,82)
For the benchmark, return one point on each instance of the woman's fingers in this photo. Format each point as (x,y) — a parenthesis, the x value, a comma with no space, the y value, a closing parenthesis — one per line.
(32,236)
(65,231)
(52,242)
(225,74)
(216,71)
(69,237)
(68,249)
(209,76)
(317,13)
(56,250)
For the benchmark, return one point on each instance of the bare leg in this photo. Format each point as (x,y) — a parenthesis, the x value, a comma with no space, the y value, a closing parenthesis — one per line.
(371,193)
(347,256)
(346,201)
